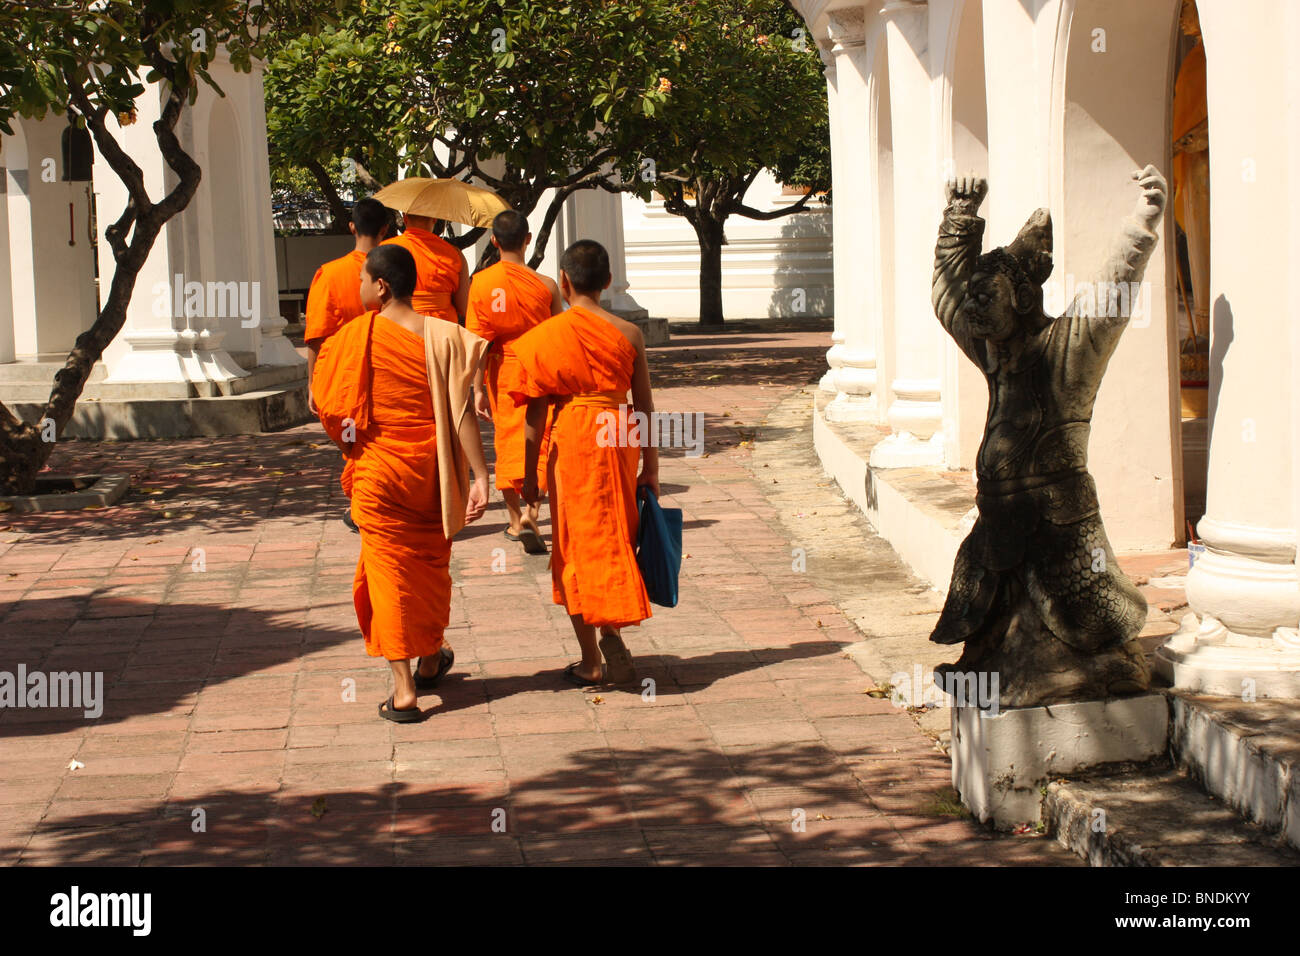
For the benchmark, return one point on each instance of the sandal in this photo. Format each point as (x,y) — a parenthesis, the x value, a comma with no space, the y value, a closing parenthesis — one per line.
(532,539)
(618,659)
(573,677)
(510,536)
(446,657)
(407,715)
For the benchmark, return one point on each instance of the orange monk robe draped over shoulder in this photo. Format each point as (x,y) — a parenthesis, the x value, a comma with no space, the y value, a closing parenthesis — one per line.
(372,384)
(593,481)
(334,298)
(437,271)
(505,301)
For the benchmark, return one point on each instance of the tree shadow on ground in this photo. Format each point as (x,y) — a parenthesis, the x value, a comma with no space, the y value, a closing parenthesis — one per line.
(195,485)
(155,663)
(723,366)
(155,657)
(626,804)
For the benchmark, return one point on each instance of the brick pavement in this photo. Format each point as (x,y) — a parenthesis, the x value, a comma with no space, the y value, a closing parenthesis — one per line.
(216,601)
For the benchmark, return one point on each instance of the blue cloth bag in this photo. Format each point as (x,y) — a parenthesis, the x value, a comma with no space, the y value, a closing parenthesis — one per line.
(658,547)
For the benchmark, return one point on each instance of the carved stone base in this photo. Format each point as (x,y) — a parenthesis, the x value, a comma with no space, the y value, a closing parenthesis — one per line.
(1034,668)
(1000,763)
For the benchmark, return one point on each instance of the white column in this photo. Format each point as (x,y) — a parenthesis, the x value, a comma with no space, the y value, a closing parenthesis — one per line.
(158,344)
(916,412)
(273,348)
(855,377)
(53,273)
(598,214)
(7,352)
(957,39)
(835,354)
(1018,101)
(1245,587)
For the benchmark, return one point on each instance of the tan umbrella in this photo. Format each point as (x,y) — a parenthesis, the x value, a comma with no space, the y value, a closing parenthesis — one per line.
(449,199)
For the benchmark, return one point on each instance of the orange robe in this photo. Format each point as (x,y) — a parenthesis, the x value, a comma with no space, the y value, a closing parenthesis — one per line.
(588,363)
(371,379)
(505,301)
(334,298)
(437,271)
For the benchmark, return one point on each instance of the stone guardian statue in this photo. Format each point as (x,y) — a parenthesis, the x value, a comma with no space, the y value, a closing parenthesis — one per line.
(1036,594)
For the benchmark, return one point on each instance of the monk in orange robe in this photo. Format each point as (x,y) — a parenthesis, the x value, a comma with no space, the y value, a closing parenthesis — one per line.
(505,301)
(442,277)
(334,297)
(375,399)
(584,360)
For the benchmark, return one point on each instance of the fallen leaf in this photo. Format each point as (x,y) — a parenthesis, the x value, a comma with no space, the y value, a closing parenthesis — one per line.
(318,808)
(598,699)
(75,764)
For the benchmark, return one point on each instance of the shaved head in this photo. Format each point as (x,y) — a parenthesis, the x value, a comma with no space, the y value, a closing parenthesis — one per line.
(586,263)
(370,216)
(510,229)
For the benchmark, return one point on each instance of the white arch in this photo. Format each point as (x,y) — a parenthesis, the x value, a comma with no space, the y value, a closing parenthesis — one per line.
(1112,82)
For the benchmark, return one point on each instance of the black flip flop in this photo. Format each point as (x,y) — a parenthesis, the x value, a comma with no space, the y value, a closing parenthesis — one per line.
(532,541)
(446,657)
(408,715)
(573,677)
(509,536)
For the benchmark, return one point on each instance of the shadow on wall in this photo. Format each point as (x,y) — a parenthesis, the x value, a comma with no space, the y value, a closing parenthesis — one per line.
(1221,340)
(803,285)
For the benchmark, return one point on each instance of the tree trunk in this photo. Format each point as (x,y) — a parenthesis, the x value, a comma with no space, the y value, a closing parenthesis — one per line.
(543,237)
(20,455)
(712,238)
(326,185)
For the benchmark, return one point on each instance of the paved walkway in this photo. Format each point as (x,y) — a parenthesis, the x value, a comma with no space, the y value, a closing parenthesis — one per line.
(240,722)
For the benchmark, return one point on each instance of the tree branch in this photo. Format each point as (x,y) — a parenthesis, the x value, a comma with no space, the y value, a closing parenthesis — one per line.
(750,213)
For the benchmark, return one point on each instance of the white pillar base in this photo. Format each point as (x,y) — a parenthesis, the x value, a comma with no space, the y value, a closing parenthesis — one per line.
(834,361)
(173,355)
(275,349)
(855,386)
(916,416)
(905,450)
(1204,657)
(847,407)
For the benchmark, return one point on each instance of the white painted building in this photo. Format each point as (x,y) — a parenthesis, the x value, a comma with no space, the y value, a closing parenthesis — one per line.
(218,337)
(1056,102)
(779,268)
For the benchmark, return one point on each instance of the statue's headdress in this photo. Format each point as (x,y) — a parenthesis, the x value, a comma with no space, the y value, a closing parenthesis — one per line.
(1027,262)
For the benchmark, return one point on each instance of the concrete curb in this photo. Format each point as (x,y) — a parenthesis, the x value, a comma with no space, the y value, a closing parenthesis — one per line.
(107,490)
